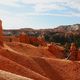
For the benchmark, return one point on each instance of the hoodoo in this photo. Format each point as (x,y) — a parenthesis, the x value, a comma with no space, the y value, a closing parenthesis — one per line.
(73,52)
(1,34)
(24,38)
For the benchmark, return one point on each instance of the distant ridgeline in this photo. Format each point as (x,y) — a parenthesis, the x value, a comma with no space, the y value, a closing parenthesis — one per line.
(62,34)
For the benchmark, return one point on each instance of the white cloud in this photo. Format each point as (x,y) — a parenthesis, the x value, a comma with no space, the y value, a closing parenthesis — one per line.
(47,7)
(9,2)
(75,4)
(41,1)
(44,5)
(34,1)
(68,14)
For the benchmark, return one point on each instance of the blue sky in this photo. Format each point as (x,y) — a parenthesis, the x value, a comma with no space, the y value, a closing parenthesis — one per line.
(39,13)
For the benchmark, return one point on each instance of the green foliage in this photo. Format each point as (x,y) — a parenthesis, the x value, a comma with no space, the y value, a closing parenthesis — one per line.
(60,38)
(77,40)
(47,38)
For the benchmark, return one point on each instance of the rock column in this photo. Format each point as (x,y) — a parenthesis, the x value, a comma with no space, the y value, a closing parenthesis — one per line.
(1,34)
(23,38)
(73,52)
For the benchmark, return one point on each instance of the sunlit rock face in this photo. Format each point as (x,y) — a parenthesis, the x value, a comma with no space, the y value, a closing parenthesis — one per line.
(1,34)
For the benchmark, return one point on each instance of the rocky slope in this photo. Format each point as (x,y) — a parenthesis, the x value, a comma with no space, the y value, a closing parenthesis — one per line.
(35,63)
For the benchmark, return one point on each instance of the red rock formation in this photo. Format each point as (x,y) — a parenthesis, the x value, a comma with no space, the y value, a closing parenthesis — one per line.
(38,41)
(37,67)
(41,41)
(33,39)
(1,37)
(57,51)
(73,52)
(24,38)
(11,39)
(78,57)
